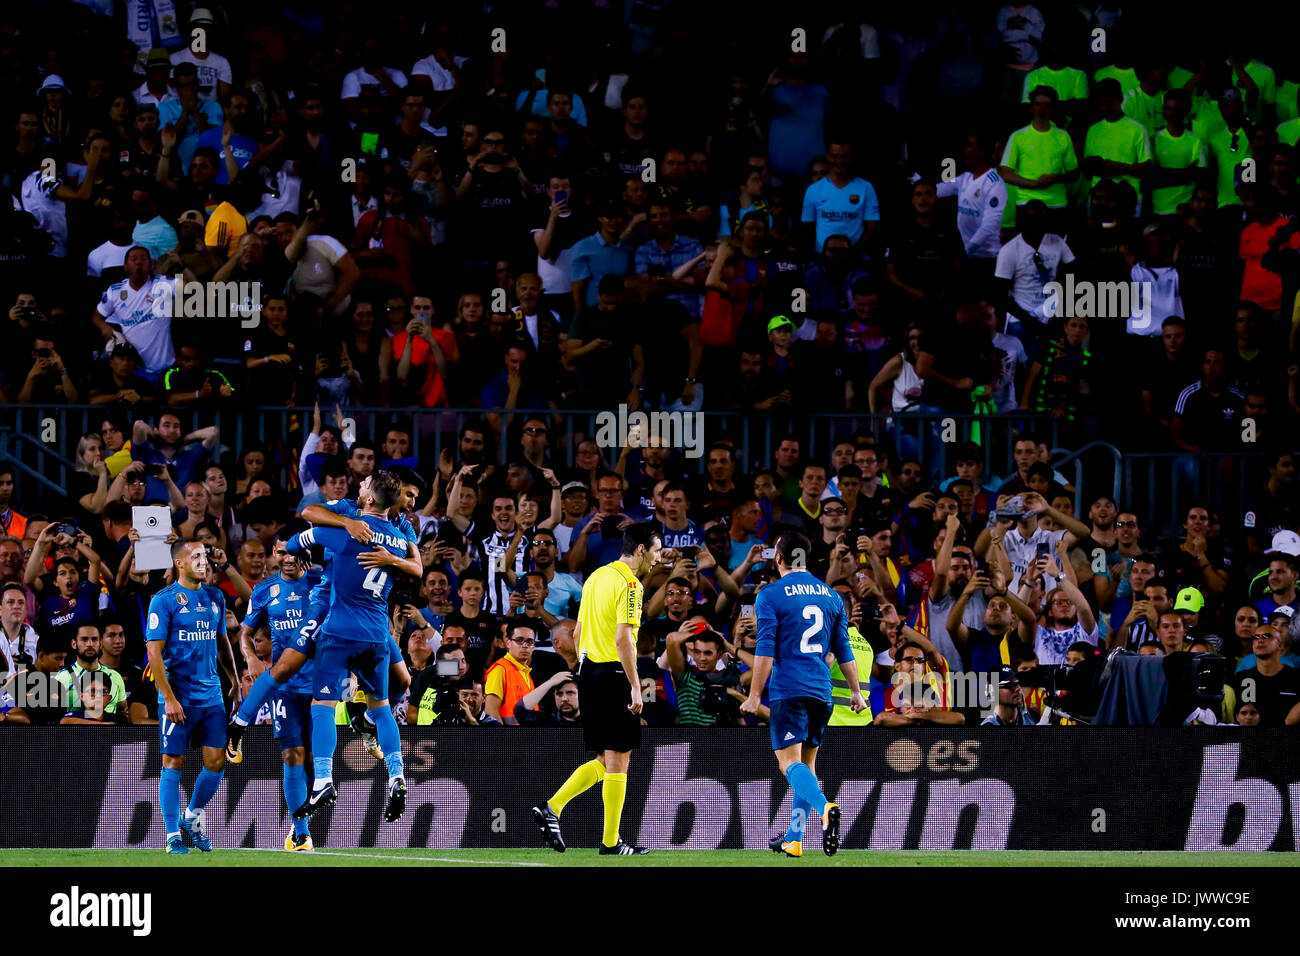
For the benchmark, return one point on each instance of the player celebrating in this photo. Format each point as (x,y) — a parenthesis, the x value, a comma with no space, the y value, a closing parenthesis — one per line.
(186,636)
(335,514)
(355,638)
(609,616)
(280,602)
(798,616)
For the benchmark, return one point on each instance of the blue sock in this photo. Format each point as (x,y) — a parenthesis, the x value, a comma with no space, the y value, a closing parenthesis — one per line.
(295,794)
(204,788)
(799,815)
(324,741)
(258,694)
(804,784)
(169,799)
(390,739)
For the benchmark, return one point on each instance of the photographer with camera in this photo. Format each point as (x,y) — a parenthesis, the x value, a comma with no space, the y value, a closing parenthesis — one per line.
(47,381)
(443,693)
(706,679)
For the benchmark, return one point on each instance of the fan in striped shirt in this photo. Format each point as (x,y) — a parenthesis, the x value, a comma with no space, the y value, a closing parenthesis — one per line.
(1139,625)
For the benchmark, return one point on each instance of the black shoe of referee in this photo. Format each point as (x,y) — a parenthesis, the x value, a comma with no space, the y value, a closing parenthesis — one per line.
(549,824)
(623,848)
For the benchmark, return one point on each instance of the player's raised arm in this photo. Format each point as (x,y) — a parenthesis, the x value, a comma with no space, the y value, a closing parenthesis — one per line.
(331,539)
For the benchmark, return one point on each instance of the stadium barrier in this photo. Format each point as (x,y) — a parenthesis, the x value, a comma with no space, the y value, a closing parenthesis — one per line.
(985,788)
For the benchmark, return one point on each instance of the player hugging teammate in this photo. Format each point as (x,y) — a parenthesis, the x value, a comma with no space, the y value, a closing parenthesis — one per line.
(326,624)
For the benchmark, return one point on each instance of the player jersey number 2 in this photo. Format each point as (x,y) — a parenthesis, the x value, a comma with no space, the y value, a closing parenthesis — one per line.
(811,612)
(375,581)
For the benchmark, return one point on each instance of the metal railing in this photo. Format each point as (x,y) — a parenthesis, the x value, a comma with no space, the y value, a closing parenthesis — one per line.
(42,441)
(24,431)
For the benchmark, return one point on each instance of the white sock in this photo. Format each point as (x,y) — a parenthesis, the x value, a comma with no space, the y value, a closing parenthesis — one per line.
(176,834)
(321,783)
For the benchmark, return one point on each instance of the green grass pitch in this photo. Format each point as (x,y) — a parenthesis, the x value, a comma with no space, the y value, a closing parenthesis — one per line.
(578,856)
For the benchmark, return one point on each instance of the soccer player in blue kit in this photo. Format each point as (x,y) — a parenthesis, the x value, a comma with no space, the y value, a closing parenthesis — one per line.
(280,602)
(335,514)
(187,625)
(799,618)
(355,637)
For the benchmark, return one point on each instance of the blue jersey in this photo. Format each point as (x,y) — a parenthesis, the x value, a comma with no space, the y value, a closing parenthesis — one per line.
(282,606)
(189,623)
(320,593)
(800,620)
(359,596)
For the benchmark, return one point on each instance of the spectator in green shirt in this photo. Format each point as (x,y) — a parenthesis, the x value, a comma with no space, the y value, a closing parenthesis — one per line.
(1039,159)
(88,647)
(1229,146)
(1116,146)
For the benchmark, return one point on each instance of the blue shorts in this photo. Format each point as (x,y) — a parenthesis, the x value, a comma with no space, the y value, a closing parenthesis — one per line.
(337,656)
(799,720)
(204,726)
(291,719)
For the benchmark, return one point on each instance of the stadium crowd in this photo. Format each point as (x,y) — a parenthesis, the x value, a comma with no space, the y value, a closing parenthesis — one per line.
(562,207)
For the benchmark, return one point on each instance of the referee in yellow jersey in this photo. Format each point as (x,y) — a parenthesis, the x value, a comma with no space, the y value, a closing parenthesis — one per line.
(609,691)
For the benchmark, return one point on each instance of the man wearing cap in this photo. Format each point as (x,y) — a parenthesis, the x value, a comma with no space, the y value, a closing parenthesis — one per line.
(55,119)
(156,90)
(779,362)
(573,507)
(1010,711)
(115,382)
(1190,602)
(213,69)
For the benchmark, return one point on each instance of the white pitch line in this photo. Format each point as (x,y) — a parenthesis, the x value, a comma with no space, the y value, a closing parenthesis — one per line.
(382,856)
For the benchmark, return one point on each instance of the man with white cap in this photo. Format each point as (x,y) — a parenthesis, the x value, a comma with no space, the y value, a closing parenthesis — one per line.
(215,76)
(56,119)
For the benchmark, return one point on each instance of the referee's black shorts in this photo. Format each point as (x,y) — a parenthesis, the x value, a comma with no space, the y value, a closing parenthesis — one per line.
(603,696)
